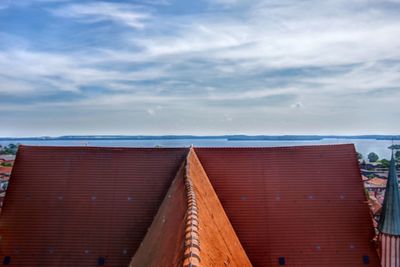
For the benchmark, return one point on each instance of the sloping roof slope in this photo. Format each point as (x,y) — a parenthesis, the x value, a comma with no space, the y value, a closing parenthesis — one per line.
(191,227)
(389,221)
(304,206)
(80,206)
(163,244)
(219,244)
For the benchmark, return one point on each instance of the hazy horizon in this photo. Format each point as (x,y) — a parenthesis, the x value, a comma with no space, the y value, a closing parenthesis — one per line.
(345,136)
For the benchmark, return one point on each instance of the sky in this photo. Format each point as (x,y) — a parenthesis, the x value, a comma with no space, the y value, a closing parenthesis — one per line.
(199,67)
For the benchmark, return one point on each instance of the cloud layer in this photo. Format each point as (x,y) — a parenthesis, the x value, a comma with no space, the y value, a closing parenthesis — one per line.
(161,67)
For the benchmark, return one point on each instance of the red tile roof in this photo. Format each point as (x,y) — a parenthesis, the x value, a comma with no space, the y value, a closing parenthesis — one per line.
(377,182)
(69,206)
(220,245)
(5,170)
(305,204)
(163,244)
(72,206)
(191,227)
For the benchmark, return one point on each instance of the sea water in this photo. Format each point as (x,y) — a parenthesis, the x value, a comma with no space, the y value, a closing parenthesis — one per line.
(363,146)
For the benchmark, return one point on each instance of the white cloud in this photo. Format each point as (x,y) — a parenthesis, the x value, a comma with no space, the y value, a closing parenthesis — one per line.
(318,59)
(359,79)
(251,94)
(284,34)
(23,71)
(127,14)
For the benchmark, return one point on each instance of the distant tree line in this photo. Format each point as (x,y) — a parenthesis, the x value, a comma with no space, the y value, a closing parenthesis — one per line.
(384,163)
(10,149)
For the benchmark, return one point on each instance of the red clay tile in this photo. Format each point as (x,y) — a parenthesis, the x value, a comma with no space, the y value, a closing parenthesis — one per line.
(306,204)
(163,244)
(69,206)
(301,205)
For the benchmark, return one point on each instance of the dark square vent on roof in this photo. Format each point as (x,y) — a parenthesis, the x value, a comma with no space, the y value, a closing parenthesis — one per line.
(101,261)
(6,260)
(366,259)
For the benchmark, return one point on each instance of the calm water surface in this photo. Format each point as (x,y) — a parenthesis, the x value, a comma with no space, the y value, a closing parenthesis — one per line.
(364,146)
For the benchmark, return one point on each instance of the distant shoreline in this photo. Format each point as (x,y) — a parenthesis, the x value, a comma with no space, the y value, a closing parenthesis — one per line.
(197,137)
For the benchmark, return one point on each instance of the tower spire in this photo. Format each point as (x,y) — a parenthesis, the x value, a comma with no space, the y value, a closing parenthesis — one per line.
(389,222)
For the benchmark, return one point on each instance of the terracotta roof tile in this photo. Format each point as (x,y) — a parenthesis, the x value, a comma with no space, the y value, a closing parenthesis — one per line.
(220,245)
(304,204)
(163,244)
(76,206)
(191,215)
(377,182)
(69,206)
(6,170)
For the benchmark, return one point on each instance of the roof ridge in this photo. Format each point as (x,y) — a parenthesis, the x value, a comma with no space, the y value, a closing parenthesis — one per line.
(192,238)
(301,146)
(220,245)
(93,147)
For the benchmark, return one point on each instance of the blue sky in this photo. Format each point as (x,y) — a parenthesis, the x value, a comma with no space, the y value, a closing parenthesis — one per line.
(199,67)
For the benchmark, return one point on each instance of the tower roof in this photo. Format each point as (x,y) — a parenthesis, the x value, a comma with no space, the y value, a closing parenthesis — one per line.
(389,222)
